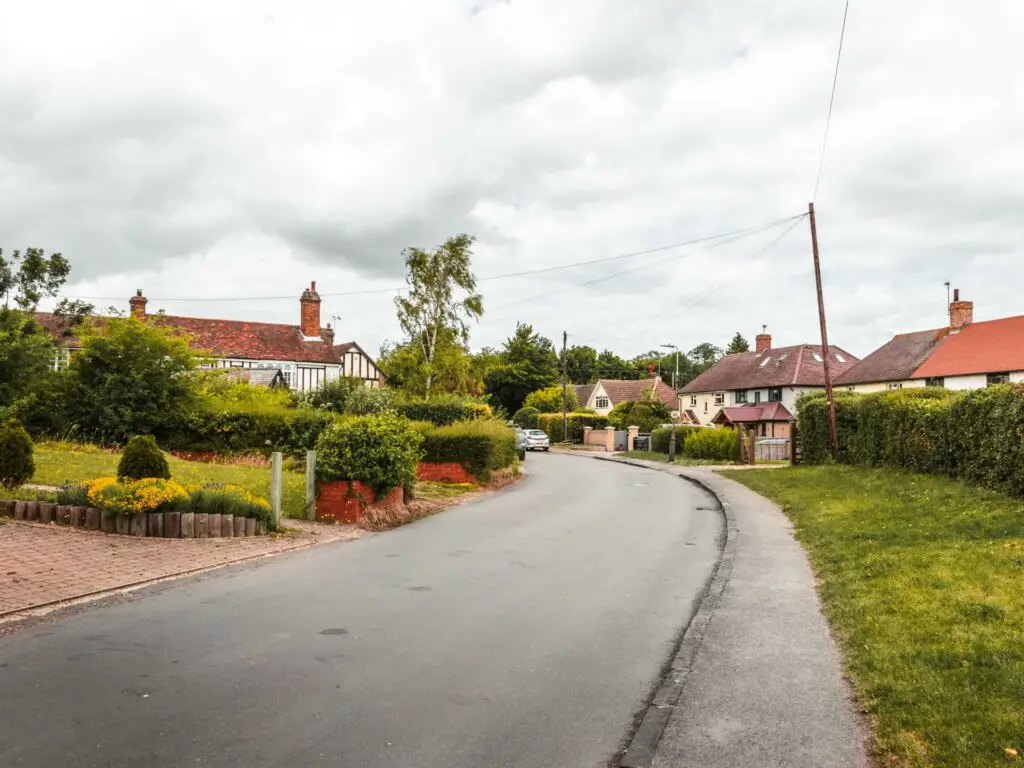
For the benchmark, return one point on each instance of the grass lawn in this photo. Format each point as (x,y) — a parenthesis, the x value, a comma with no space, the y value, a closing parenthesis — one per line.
(923,583)
(58,463)
(663,457)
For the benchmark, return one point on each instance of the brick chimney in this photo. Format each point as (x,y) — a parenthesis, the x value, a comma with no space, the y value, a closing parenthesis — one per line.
(309,319)
(960,312)
(327,334)
(138,304)
(763,340)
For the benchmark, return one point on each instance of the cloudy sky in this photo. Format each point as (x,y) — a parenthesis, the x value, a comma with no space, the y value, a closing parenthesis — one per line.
(242,148)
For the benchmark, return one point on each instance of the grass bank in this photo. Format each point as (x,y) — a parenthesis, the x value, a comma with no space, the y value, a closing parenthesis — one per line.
(922,579)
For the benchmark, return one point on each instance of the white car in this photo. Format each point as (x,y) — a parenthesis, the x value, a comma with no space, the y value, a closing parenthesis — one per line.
(537,440)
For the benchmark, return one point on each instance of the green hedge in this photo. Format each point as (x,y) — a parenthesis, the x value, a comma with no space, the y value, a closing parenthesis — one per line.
(660,438)
(976,435)
(227,429)
(551,423)
(719,444)
(380,450)
(480,446)
(526,418)
(443,412)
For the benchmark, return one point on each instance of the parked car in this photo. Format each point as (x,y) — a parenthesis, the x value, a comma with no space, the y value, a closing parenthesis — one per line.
(537,440)
(521,443)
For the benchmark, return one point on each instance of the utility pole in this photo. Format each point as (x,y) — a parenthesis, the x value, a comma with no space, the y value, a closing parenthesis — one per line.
(565,384)
(833,439)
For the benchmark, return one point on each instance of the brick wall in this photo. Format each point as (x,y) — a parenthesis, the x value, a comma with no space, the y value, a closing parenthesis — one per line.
(336,502)
(443,472)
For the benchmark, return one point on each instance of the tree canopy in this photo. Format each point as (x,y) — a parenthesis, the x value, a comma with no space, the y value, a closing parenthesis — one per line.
(527,362)
(737,345)
(549,399)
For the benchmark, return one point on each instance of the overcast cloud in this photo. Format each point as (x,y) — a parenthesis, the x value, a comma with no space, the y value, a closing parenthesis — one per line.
(237,149)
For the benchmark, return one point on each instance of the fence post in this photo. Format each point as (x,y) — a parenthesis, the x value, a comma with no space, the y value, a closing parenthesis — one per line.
(311,485)
(671,445)
(275,486)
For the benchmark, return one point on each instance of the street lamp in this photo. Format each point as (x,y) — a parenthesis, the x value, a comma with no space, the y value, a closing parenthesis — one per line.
(675,376)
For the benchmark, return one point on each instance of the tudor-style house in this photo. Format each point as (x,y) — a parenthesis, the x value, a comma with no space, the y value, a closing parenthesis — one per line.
(760,388)
(963,355)
(305,354)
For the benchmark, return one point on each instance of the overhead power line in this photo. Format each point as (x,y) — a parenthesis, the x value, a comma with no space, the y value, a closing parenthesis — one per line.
(831,101)
(540,270)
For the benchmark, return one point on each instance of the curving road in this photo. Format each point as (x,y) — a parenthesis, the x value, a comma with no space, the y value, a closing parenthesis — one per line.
(523,629)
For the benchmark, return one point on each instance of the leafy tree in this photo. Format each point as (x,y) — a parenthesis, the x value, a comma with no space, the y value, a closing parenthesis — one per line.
(580,364)
(29,276)
(704,356)
(737,345)
(431,306)
(130,377)
(26,355)
(611,366)
(452,371)
(549,400)
(647,414)
(527,363)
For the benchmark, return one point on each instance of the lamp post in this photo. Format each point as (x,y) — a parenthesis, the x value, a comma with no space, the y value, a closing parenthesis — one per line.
(675,349)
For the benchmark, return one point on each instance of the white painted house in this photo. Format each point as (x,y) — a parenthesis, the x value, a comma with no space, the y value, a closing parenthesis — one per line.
(305,354)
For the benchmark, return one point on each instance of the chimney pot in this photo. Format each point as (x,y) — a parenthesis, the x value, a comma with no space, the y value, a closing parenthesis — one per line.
(137,303)
(956,294)
(309,312)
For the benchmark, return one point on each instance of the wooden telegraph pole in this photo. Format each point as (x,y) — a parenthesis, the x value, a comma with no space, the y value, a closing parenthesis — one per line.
(565,378)
(832,437)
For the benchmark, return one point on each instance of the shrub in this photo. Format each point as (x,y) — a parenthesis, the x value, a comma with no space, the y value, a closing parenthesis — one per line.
(380,450)
(222,427)
(660,438)
(549,400)
(332,396)
(646,414)
(551,423)
(73,495)
(17,464)
(719,444)
(218,499)
(441,412)
(143,458)
(526,418)
(479,446)
(812,420)
(138,497)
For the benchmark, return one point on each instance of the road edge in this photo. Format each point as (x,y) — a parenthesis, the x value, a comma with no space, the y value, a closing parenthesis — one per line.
(653,718)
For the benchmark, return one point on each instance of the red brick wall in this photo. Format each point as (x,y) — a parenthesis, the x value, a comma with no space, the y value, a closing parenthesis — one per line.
(335,503)
(443,472)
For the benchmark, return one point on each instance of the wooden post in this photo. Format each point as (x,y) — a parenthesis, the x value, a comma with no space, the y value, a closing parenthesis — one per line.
(275,485)
(832,437)
(311,485)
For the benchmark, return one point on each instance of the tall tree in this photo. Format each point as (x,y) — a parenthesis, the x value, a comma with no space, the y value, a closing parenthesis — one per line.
(611,366)
(580,364)
(432,305)
(527,363)
(451,371)
(705,355)
(28,277)
(737,345)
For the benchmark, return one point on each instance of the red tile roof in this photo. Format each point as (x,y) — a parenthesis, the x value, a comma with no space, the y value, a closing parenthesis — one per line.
(583,392)
(896,360)
(785,366)
(231,338)
(991,346)
(621,390)
(751,413)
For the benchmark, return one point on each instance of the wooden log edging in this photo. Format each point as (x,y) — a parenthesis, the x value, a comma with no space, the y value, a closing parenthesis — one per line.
(155,525)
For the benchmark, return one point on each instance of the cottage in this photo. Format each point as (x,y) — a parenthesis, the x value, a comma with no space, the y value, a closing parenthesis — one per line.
(305,354)
(766,375)
(964,355)
(605,394)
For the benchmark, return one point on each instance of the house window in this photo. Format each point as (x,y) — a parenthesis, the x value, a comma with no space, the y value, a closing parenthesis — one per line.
(757,396)
(775,395)
(935,381)
(719,398)
(705,406)
(997,378)
(289,379)
(839,357)
(61,358)
(741,396)
(602,402)
(693,401)
(895,385)
(817,357)
(764,429)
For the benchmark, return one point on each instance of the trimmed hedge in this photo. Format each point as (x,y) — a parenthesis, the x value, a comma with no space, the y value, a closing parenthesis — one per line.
(17,464)
(480,446)
(444,412)
(976,435)
(526,418)
(225,429)
(660,438)
(719,444)
(551,423)
(380,450)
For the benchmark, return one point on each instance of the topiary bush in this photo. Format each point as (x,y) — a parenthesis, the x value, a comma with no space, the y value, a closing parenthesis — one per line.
(141,459)
(17,464)
(479,446)
(526,418)
(381,450)
(719,444)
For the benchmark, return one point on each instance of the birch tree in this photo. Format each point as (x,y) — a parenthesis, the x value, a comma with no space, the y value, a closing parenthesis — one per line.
(441,295)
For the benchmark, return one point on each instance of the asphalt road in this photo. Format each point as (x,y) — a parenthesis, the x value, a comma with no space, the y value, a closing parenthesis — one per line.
(523,629)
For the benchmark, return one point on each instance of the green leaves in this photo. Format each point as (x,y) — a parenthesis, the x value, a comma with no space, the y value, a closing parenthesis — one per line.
(29,276)
(16,461)
(549,399)
(381,450)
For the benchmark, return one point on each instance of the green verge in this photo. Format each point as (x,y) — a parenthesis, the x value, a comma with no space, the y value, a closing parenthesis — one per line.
(922,580)
(59,463)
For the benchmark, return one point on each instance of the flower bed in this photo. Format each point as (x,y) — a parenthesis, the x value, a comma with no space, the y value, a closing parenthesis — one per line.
(151,507)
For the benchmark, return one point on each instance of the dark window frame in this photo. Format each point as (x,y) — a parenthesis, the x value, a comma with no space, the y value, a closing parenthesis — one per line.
(772,392)
(993,379)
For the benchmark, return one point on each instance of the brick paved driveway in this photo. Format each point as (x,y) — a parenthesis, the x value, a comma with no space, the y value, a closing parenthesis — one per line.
(41,564)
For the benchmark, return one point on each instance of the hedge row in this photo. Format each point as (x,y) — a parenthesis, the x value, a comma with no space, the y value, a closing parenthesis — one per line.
(719,444)
(229,430)
(977,435)
(660,438)
(551,423)
(443,413)
(481,446)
